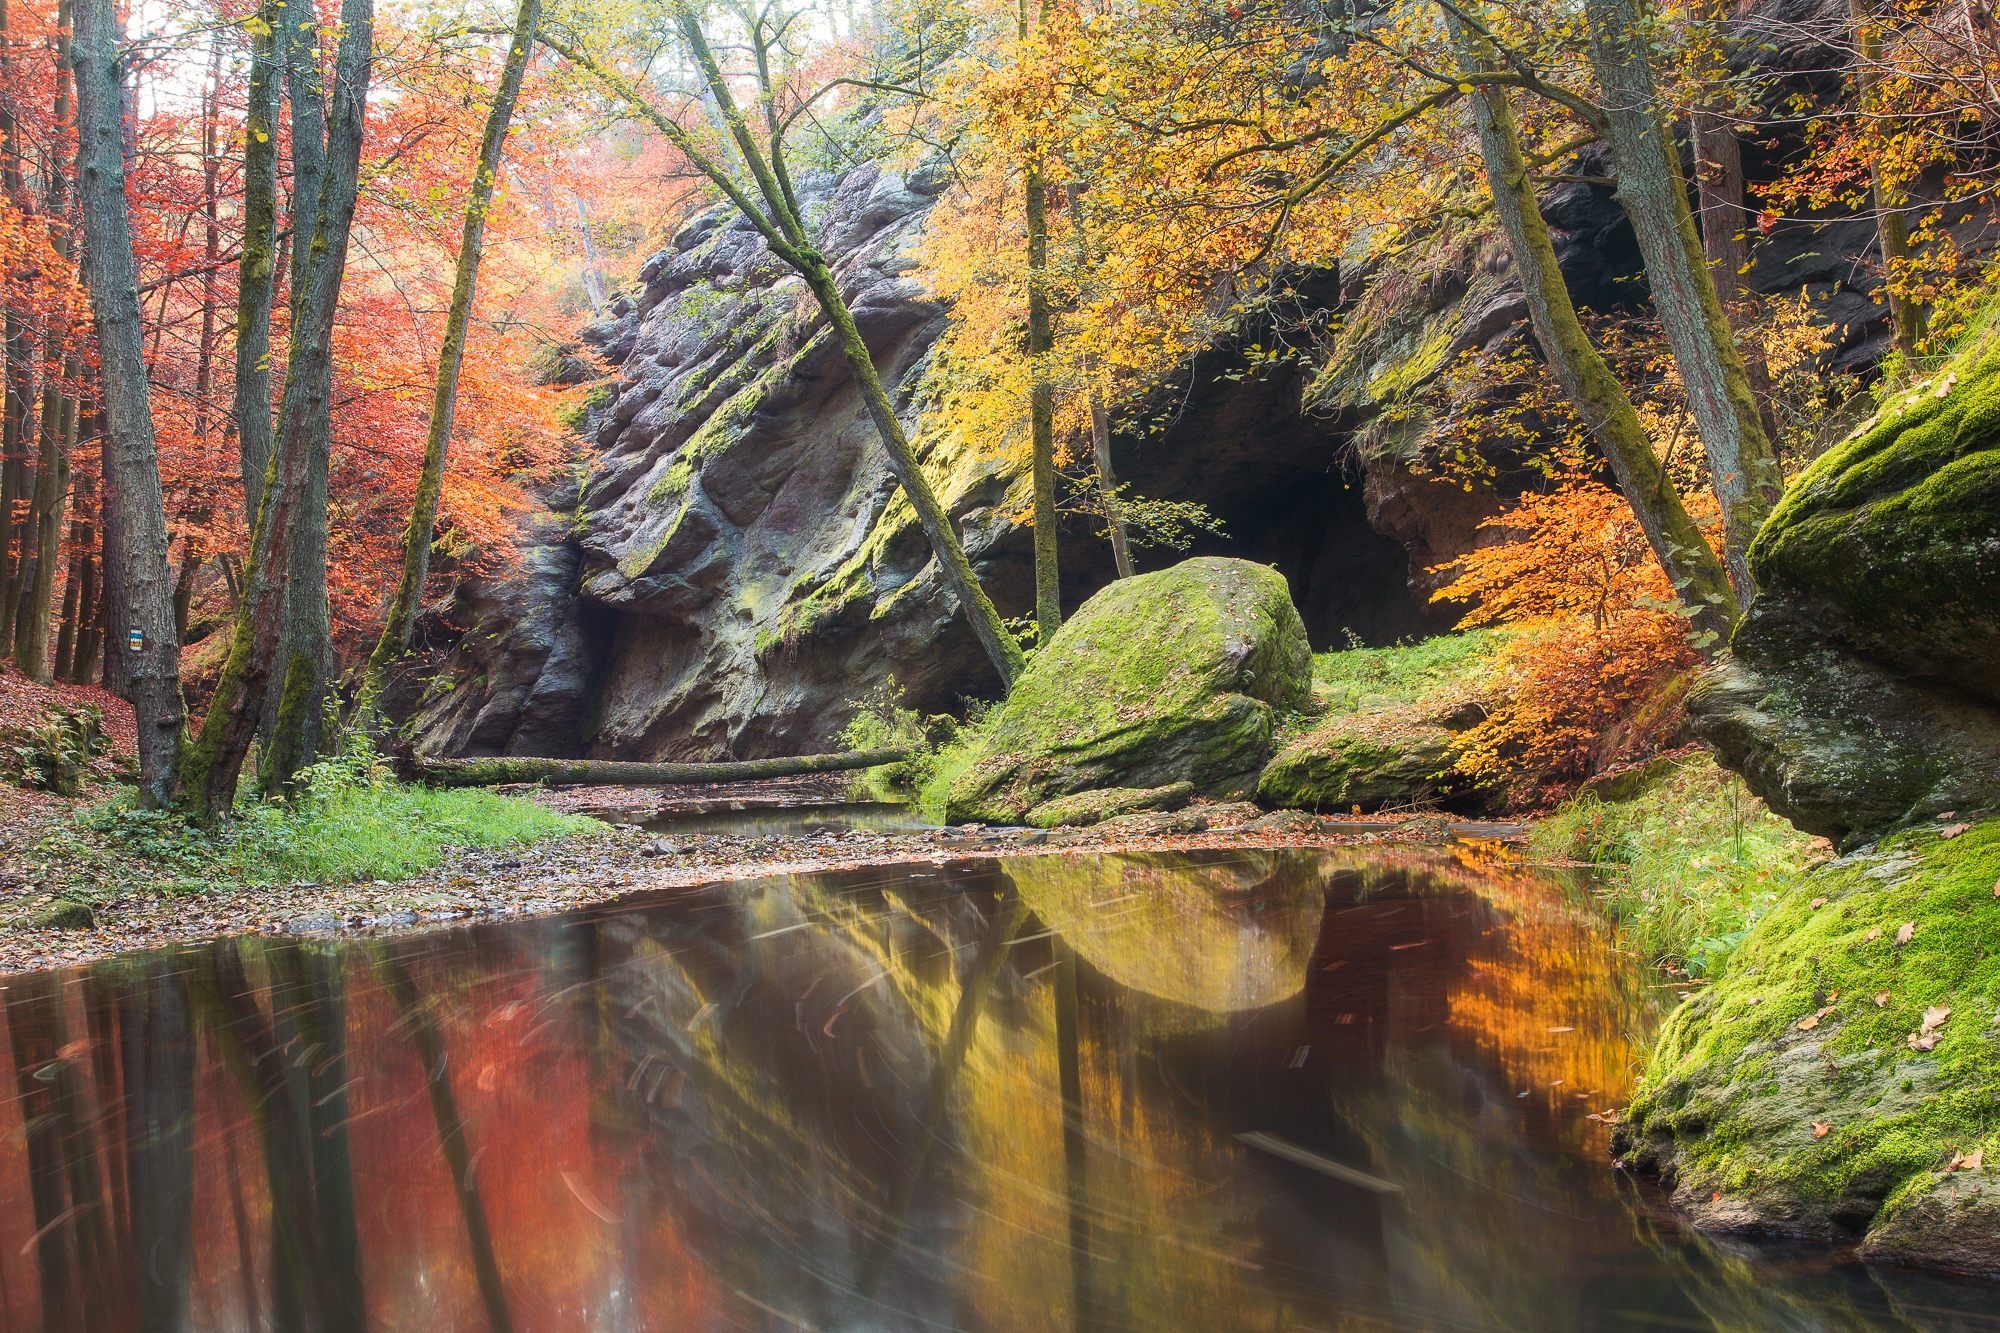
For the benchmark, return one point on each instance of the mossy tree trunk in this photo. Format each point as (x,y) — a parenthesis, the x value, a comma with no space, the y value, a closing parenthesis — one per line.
(395,638)
(1590,384)
(1743,470)
(215,758)
(768,203)
(255,269)
(150,676)
(611,773)
(1719,196)
(1906,317)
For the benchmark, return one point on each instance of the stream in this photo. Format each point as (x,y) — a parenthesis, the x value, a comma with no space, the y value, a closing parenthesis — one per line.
(1248,1089)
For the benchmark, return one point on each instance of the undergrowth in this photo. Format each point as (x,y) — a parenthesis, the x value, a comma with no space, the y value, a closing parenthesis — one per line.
(349,821)
(1365,678)
(942,747)
(1687,866)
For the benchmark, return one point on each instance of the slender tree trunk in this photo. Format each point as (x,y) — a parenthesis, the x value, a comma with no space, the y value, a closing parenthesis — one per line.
(395,638)
(458,1156)
(151,674)
(255,270)
(16,525)
(31,650)
(72,586)
(1719,190)
(1100,421)
(215,759)
(1743,470)
(1892,224)
(1591,386)
(191,561)
(785,232)
(1041,393)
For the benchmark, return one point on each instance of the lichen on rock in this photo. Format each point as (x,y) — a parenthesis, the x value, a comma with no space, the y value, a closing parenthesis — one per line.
(1175,676)
(1827,1084)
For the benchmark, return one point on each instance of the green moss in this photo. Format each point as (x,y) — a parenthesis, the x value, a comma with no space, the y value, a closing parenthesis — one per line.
(1735,1085)
(1166,677)
(1094,807)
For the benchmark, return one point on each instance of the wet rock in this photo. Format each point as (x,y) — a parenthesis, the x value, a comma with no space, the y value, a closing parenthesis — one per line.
(1160,679)
(1860,693)
(1289,823)
(1094,807)
(1151,824)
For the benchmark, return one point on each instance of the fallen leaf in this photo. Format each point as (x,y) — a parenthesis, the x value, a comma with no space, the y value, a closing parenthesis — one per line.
(1609,1117)
(1873,935)
(1968,1161)
(1818,903)
(1935,1016)
(1881,999)
(1822,1128)
(1756,999)
(1905,932)
(1953,831)
(1809,1022)
(1562,1029)
(1996,888)
(1926,1042)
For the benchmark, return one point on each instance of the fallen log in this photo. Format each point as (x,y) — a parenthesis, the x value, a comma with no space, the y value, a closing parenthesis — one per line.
(611,773)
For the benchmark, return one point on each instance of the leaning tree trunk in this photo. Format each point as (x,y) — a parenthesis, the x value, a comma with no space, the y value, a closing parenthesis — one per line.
(1742,468)
(395,639)
(215,759)
(1591,386)
(150,660)
(1041,393)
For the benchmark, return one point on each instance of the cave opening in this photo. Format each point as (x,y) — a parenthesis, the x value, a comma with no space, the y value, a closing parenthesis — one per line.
(1288,494)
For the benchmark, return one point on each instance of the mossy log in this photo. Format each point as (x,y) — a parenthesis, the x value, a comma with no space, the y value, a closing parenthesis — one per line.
(609,773)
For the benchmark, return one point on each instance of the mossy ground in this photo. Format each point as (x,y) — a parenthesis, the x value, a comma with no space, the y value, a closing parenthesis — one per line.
(1687,864)
(1811,1025)
(1383,736)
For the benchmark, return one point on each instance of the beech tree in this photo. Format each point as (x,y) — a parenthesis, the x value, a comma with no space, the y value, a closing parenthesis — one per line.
(762,190)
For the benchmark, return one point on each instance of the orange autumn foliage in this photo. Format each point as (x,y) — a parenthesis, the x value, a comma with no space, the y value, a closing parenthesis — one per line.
(1595,675)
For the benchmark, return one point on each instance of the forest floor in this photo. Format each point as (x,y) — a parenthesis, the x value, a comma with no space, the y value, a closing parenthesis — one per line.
(147,884)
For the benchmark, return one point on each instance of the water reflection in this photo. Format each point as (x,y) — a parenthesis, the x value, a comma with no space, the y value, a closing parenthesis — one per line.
(1247,1090)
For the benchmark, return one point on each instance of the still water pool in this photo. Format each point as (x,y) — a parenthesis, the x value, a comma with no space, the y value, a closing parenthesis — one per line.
(1270,1090)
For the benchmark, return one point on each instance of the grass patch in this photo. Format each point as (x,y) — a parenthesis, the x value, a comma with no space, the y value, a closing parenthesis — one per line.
(352,822)
(944,748)
(1688,866)
(1366,678)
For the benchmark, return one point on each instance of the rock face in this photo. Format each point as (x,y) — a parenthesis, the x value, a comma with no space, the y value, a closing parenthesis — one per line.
(1840,1080)
(1163,678)
(1861,692)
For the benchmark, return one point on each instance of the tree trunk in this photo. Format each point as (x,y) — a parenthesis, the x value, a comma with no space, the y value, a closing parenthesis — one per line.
(158,1079)
(1100,422)
(16,529)
(1719,191)
(610,773)
(395,638)
(1591,386)
(1906,317)
(1742,468)
(1041,394)
(215,759)
(254,270)
(31,650)
(289,718)
(66,633)
(191,560)
(785,232)
(150,672)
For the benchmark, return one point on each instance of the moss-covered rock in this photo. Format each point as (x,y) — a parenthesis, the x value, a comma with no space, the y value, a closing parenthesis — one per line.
(1094,807)
(1829,1081)
(64,914)
(1392,757)
(1169,677)
(1861,692)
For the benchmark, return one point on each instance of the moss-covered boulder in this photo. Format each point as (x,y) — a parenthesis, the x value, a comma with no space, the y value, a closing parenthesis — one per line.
(1094,807)
(1393,757)
(1861,692)
(1176,676)
(1842,1079)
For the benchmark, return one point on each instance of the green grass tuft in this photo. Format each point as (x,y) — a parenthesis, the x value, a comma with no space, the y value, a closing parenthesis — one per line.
(1688,866)
(1365,678)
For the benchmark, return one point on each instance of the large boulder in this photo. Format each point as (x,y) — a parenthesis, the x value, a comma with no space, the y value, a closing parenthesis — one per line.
(1861,692)
(1170,677)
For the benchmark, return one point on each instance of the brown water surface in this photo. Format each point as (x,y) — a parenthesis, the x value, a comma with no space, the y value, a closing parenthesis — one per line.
(1212,1091)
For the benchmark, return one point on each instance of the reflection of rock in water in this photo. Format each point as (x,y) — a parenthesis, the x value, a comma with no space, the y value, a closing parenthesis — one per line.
(1224,935)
